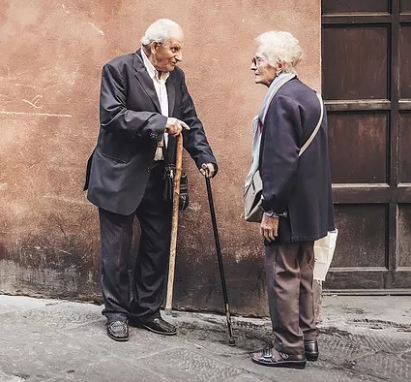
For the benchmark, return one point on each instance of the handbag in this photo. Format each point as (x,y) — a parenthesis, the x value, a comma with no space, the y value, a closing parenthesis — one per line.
(253,192)
(324,252)
(252,199)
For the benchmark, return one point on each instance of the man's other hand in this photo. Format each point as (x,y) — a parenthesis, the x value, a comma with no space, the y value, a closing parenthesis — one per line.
(174,126)
(208,170)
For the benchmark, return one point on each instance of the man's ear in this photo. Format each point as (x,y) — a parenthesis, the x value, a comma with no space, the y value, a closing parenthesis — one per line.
(154,46)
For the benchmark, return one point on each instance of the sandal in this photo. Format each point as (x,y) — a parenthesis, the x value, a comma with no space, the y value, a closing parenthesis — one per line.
(272,357)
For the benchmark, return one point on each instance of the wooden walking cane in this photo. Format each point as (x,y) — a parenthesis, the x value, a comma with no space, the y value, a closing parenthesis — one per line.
(174,224)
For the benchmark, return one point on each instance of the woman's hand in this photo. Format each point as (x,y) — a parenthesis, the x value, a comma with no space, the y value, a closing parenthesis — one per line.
(269,227)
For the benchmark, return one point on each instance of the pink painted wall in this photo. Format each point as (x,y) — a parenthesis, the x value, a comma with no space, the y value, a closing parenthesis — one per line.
(52,54)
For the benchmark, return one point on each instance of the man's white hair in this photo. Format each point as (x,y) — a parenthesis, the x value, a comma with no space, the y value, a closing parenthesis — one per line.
(160,31)
(280,47)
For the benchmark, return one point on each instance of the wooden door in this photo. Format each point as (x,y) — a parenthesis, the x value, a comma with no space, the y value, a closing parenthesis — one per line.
(366,63)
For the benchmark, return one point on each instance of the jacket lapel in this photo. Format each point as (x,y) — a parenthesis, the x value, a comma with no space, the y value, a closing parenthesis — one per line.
(171,94)
(145,80)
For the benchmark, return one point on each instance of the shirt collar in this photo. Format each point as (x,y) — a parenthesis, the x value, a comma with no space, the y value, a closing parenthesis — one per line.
(152,71)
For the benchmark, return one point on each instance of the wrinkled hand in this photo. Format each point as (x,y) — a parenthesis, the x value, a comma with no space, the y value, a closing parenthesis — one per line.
(174,126)
(207,169)
(269,227)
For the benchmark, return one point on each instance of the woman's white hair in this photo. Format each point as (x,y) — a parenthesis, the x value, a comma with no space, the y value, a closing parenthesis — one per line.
(280,47)
(160,31)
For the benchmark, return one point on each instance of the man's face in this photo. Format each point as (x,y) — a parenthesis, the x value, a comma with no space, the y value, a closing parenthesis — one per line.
(166,55)
(264,73)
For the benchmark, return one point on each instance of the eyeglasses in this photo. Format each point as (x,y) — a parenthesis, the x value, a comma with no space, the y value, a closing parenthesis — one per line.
(258,61)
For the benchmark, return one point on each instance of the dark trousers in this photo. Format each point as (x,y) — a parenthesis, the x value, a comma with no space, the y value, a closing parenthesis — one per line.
(289,276)
(133,283)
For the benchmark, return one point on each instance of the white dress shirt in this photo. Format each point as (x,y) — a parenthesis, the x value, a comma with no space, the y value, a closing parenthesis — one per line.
(161,90)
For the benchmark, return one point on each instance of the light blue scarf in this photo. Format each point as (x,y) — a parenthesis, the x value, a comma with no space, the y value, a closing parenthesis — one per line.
(258,120)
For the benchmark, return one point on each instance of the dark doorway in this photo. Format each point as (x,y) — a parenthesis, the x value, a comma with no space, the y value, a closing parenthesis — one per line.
(366,61)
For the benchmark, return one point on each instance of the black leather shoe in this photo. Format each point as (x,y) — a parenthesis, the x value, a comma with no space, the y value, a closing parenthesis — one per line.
(118,330)
(159,326)
(311,350)
(274,358)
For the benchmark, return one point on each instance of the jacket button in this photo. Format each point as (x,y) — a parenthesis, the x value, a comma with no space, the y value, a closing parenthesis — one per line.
(148,169)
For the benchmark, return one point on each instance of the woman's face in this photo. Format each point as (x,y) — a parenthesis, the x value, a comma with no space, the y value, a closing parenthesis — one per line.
(264,73)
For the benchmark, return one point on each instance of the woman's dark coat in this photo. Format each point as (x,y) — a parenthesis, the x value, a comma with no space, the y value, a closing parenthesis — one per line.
(300,187)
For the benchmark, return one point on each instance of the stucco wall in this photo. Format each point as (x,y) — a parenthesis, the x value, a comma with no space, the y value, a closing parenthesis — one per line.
(52,53)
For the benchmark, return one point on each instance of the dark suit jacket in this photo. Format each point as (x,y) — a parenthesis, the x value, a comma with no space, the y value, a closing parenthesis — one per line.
(299,186)
(131,124)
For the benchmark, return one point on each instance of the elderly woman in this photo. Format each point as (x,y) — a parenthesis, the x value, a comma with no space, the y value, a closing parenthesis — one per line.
(296,196)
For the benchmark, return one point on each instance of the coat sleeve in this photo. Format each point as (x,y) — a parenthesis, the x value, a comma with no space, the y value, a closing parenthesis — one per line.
(195,140)
(280,146)
(116,118)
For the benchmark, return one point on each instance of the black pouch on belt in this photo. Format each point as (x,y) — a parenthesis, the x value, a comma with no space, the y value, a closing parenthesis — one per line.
(169,177)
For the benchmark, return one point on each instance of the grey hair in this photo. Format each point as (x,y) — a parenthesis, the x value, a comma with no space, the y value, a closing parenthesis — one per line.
(280,47)
(160,31)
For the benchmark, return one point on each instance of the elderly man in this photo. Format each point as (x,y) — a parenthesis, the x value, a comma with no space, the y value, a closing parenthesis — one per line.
(144,105)
(291,153)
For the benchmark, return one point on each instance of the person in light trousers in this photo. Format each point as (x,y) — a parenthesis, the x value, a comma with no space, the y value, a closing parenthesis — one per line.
(296,196)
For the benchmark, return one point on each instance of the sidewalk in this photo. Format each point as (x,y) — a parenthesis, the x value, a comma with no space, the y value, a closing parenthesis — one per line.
(361,339)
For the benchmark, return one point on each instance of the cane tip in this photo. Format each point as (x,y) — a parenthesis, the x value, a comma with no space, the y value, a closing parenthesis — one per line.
(231,342)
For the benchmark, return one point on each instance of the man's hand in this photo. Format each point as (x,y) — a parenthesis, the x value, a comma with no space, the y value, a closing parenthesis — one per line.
(174,126)
(207,169)
(269,227)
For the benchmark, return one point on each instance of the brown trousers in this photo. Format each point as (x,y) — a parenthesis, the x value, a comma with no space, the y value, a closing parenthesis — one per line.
(289,276)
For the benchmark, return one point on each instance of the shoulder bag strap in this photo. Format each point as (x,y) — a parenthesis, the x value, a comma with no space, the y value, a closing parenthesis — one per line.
(314,133)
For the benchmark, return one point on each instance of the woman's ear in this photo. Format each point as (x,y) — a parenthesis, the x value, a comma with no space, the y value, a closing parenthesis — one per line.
(280,68)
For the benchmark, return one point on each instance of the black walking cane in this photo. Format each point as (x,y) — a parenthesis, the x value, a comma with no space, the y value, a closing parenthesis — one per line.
(219,255)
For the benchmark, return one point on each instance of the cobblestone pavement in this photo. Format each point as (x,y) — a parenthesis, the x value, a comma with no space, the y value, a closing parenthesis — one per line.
(361,339)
